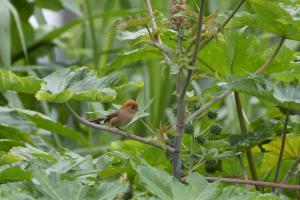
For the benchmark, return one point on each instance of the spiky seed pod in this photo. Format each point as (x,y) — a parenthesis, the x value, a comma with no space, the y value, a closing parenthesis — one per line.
(189,129)
(215,129)
(211,166)
(212,115)
(200,139)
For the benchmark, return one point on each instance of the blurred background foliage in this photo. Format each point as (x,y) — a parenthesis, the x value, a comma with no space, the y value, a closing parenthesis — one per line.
(39,37)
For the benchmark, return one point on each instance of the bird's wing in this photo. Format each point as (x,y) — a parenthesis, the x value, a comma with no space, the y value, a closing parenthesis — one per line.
(106,118)
(97,120)
(111,115)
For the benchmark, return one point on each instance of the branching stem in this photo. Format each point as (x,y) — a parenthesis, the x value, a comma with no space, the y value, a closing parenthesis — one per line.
(283,137)
(117,131)
(251,182)
(272,57)
(290,173)
(243,128)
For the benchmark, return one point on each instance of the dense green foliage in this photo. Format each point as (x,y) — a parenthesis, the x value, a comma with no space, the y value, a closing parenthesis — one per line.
(105,53)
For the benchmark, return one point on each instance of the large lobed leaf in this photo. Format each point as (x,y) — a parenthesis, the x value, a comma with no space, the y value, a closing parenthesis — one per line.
(19,124)
(287,97)
(164,186)
(80,84)
(65,176)
(240,54)
(75,83)
(291,151)
(273,17)
(123,59)
(11,81)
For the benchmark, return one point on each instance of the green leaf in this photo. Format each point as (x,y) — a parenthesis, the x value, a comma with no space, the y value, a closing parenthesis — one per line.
(57,32)
(30,153)
(11,81)
(75,83)
(288,76)
(8,158)
(291,151)
(287,97)
(162,185)
(15,190)
(241,54)
(7,144)
(126,58)
(44,122)
(15,14)
(107,190)
(133,22)
(272,17)
(8,132)
(27,120)
(55,187)
(13,174)
(11,118)
(165,187)
(5,36)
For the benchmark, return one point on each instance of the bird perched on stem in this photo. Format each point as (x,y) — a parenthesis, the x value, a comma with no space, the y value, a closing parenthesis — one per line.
(120,117)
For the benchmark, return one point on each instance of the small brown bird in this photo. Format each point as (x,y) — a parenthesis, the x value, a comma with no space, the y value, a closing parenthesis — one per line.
(120,117)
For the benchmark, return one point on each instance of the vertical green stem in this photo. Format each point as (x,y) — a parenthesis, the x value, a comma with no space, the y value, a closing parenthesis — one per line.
(243,127)
(89,14)
(283,137)
(180,118)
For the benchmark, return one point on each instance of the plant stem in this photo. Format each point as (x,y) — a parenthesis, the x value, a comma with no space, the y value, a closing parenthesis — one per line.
(180,117)
(157,38)
(251,182)
(181,88)
(244,171)
(238,6)
(243,128)
(290,173)
(191,153)
(117,131)
(196,50)
(270,60)
(283,137)
(206,106)
(89,13)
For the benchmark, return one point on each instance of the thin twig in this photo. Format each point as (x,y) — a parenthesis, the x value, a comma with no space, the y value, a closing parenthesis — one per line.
(207,65)
(117,131)
(270,60)
(196,50)
(251,182)
(205,42)
(206,106)
(243,128)
(244,171)
(157,38)
(283,137)
(290,173)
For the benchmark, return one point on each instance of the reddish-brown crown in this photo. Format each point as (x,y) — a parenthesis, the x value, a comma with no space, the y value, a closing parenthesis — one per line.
(130,103)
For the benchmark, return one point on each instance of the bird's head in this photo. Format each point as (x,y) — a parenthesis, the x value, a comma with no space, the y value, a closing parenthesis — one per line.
(130,106)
